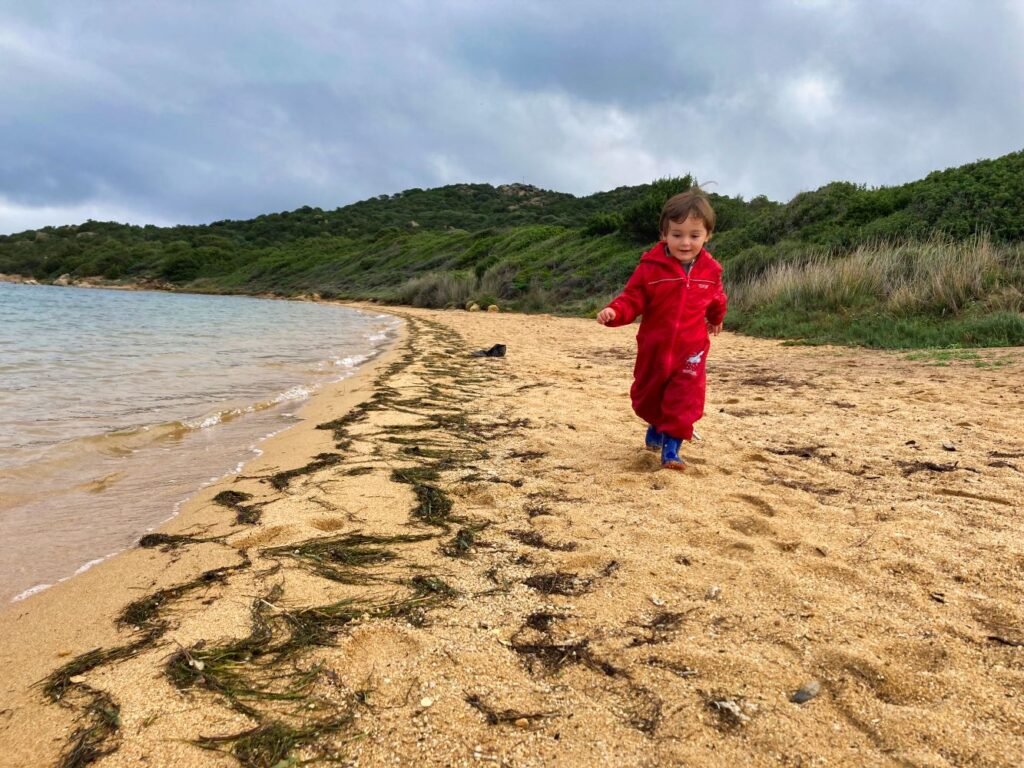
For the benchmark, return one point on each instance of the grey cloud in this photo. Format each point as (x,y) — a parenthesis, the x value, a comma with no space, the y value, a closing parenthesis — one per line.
(197,112)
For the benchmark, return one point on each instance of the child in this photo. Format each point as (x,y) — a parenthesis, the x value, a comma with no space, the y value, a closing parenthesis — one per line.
(677,287)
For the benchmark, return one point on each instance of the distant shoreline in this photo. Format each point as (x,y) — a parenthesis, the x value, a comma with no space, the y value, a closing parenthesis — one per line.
(165,287)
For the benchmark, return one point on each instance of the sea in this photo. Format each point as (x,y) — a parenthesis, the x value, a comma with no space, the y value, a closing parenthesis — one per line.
(116,406)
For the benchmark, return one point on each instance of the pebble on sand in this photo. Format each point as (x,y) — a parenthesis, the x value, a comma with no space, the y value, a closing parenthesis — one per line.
(806,692)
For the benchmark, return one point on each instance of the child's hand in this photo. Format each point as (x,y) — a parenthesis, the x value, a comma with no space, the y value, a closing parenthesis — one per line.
(606,315)
(714,330)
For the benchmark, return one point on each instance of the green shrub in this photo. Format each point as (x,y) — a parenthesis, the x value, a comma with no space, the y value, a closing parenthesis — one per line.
(640,220)
(603,224)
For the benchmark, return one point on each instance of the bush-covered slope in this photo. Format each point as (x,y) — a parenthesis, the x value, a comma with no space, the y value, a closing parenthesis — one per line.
(536,249)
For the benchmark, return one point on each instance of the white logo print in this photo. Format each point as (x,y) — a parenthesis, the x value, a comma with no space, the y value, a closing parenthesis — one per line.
(695,359)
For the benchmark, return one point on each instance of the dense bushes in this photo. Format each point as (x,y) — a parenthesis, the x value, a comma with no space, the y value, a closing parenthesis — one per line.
(792,267)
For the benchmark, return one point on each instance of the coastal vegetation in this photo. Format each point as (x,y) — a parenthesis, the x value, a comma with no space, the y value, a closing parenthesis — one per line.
(936,262)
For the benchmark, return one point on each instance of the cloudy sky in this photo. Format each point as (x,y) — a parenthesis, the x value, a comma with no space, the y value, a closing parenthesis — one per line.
(190,111)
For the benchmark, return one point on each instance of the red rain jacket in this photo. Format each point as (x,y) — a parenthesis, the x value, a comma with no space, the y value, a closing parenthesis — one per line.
(676,308)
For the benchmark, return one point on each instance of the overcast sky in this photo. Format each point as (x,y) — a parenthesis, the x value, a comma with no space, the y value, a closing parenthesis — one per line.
(190,111)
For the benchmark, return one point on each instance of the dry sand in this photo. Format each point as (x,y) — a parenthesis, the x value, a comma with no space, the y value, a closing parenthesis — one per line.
(605,612)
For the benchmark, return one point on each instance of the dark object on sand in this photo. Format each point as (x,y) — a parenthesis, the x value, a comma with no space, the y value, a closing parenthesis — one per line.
(498,350)
(807,692)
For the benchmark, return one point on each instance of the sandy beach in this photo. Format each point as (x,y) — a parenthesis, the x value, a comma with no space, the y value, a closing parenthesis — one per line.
(456,560)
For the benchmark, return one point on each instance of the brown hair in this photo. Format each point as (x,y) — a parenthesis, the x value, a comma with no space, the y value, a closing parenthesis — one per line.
(680,207)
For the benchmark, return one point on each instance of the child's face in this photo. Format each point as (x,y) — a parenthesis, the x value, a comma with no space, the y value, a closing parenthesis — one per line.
(685,238)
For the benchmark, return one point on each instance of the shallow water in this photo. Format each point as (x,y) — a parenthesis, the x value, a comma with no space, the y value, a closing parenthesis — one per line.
(115,406)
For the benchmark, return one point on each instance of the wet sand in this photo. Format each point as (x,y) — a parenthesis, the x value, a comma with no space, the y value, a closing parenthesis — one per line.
(529,588)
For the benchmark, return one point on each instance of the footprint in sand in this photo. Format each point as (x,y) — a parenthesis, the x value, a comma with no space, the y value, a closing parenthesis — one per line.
(749,525)
(757,503)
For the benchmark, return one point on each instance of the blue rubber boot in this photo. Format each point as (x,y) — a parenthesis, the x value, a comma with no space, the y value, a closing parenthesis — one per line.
(670,458)
(653,439)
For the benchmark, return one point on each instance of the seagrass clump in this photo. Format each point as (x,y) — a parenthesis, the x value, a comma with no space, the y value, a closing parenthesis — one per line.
(96,733)
(275,742)
(58,683)
(549,656)
(461,544)
(424,586)
(558,583)
(144,611)
(344,559)
(281,480)
(535,539)
(245,514)
(495,716)
(169,541)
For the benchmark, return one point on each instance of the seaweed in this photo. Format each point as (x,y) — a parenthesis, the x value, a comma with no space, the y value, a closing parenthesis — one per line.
(95,735)
(169,541)
(676,668)
(497,717)
(341,558)
(658,628)
(527,455)
(461,544)
(59,682)
(143,612)
(231,498)
(281,480)
(271,744)
(415,475)
(426,586)
(535,539)
(433,506)
(541,620)
(244,514)
(558,583)
(552,656)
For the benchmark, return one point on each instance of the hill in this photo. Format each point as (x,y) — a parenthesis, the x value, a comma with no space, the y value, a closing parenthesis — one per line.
(534,249)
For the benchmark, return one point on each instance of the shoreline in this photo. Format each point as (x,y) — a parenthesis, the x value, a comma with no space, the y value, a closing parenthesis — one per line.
(209,439)
(508,577)
(312,409)
(79,612)
(255,451)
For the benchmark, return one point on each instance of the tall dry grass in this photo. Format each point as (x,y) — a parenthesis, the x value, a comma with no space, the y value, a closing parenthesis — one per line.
(939,276)
(438,290)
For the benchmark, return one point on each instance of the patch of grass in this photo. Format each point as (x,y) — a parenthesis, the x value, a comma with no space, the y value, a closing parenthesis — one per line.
(890,296)
(943,357)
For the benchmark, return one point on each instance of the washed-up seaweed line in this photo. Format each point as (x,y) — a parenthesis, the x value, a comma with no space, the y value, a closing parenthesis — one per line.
(268,676)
